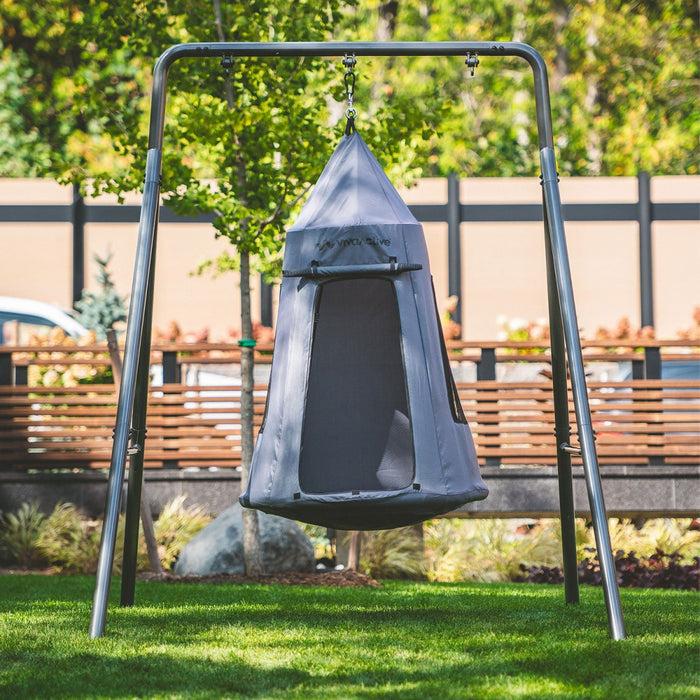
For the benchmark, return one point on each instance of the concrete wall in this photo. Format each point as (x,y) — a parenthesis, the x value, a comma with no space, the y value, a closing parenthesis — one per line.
(503,264)
(630,492)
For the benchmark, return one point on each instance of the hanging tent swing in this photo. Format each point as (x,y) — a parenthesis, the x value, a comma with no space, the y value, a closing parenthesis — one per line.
(363,427)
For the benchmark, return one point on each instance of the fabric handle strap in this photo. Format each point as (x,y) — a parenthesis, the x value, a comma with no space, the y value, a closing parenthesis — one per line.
(316,270)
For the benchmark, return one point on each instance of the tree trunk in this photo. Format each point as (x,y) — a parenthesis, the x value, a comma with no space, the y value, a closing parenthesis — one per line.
(149,534)
(355,550)
(252,552)
(386,24)
(561,58)
(594,146)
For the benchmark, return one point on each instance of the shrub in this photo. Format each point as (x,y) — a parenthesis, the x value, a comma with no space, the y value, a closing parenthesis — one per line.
(487,550)
(59,368)
(19,534)
(665,534)
(444,549)
(323,546)
(177,524)
(69,541)
(659,570)
(102,310)
(396,553)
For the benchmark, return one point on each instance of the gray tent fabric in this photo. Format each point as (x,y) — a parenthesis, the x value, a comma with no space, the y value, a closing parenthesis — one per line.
(363,429)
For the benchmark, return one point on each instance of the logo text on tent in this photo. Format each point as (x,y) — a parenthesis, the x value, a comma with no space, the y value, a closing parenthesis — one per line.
(347,242)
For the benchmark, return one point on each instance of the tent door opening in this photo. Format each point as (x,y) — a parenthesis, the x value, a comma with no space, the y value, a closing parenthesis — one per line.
(357,429)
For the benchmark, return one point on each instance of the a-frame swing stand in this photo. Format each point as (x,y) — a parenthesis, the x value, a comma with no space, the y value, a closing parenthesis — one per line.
(130,429)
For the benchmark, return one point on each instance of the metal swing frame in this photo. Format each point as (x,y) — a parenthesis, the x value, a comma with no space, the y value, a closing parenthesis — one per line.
(130,428)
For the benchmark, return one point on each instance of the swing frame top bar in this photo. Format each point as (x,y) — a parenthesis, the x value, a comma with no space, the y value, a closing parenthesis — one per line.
(363,48)
(565,340)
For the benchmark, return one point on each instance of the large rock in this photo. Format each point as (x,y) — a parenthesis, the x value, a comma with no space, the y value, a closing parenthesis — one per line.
(218,548)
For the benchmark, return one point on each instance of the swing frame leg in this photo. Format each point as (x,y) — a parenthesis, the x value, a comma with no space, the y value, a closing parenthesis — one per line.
(562,433)
(132,400)
(135,348)
(554,225)
(138,439)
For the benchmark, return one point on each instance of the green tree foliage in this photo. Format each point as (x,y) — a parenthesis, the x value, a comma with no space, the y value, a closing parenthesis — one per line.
(23,153)
(50,47)
(623,76)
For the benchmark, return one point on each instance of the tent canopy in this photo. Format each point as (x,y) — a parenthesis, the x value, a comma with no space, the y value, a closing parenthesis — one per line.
(363,427)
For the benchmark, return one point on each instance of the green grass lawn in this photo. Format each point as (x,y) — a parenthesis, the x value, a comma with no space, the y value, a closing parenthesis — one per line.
(406,640)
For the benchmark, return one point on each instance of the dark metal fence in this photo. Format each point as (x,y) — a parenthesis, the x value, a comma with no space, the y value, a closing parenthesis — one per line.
(453,212)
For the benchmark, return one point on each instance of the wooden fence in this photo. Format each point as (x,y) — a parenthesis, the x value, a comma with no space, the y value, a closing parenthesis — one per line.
(640,421)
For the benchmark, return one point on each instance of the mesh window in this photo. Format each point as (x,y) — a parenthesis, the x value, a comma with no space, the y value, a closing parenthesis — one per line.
(357,431)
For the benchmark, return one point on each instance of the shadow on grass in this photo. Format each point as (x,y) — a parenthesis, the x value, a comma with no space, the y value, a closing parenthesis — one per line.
(485,673)
(403,641)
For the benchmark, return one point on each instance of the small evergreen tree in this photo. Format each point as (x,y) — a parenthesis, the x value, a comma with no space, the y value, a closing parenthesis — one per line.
(100,311)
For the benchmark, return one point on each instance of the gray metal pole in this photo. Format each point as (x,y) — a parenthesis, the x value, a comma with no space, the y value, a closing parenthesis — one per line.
(454,246)
(132,351)
(560,257)
(646,271)
(562,431)
(138,440)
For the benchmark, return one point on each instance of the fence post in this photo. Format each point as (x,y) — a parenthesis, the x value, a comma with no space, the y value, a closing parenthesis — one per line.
(486,365)
(652,362)
(5,367)
(454,248)
(21,375)
(172,371)
(486,371)
(172,374)
(638,369)
(78,221)
(265,303)
(646,278)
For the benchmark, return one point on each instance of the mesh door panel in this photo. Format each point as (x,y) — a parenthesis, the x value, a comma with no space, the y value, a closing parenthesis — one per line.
(357,432)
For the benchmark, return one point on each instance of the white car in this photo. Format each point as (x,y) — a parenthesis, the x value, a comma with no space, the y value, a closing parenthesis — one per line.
(19,318)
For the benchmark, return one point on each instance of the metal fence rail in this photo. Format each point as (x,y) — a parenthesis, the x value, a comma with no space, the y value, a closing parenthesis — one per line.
(453,212)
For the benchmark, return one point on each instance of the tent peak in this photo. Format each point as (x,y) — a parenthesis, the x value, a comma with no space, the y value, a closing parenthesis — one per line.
(353,190)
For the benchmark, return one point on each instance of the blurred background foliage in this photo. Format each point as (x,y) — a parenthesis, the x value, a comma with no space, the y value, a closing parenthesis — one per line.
(75,79)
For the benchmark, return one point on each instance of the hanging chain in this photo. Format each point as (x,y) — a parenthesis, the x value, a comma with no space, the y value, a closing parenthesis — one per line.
(350,113)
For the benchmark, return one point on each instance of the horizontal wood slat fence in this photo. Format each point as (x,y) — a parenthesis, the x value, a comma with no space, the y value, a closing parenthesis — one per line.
(641,421)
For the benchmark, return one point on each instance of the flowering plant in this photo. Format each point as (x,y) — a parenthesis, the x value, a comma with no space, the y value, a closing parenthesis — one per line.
(450,328)
(54,368)
(518,329)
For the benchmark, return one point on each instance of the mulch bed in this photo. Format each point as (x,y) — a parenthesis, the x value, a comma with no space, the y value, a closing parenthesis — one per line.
(332,579)
(4,571)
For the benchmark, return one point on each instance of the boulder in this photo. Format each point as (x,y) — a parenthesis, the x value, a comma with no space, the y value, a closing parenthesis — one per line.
(218,548)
